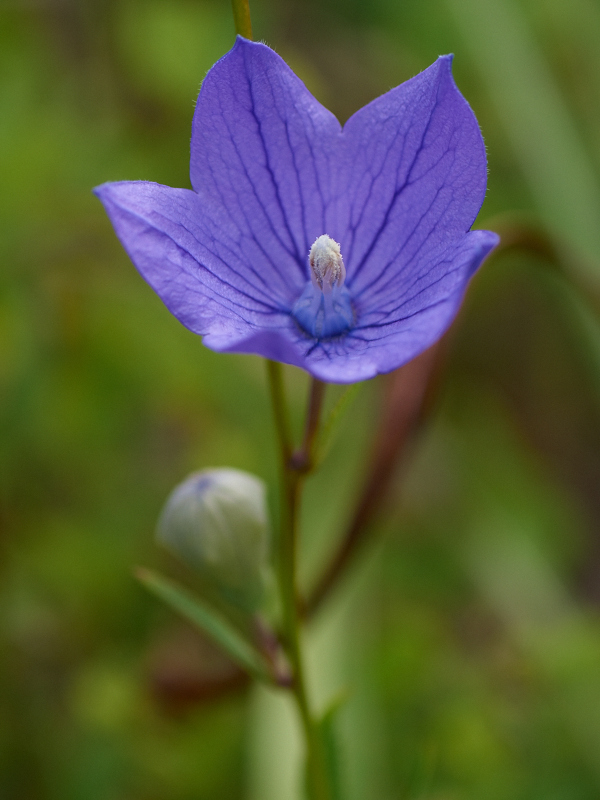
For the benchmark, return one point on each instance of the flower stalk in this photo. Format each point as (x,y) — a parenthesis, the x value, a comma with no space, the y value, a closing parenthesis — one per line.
(294,466)
(303,459)
(406,393)
(241,18)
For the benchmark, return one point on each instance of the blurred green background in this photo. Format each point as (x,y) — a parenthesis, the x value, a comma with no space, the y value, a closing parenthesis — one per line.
(469,641)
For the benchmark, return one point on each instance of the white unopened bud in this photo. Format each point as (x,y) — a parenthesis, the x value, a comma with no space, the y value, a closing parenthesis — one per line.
(216,522)
(326,263)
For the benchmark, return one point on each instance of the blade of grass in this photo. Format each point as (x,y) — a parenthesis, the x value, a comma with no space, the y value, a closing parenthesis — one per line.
(535,117)
(208,619)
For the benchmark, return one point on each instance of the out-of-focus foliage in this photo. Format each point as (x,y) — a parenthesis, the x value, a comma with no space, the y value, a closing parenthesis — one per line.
(474,650)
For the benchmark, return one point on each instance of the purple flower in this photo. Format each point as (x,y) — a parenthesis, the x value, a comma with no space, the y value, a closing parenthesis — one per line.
(343,251)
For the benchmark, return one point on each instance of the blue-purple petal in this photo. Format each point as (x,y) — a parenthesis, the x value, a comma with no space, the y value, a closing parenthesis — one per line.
(263,151)
(415,177)
(190,260)
(383,341)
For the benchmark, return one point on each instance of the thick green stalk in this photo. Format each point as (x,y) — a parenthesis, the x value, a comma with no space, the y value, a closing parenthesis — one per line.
(292,475)
(241,18)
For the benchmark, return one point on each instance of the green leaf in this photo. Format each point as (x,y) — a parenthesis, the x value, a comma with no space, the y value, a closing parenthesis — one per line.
(325,730)
(208,619)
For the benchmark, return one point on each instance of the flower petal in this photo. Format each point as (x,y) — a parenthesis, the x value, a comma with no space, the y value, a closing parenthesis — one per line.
(191,260)
(414,177)
(384,342)
(262,150)
(393,334)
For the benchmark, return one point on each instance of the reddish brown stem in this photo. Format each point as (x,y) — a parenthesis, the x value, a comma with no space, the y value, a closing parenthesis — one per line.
(302,459)
(405,396)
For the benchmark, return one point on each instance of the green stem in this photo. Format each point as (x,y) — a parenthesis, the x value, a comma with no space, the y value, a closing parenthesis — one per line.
(278,401)
(292,479)
(241,18)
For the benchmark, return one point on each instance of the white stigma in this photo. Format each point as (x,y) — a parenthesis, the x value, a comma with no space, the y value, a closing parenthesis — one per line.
(326,264)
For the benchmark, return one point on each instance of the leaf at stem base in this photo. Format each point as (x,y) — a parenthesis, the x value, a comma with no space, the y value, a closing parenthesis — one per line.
(209,620)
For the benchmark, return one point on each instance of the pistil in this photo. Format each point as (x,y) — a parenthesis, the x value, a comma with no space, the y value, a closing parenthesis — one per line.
(324,310)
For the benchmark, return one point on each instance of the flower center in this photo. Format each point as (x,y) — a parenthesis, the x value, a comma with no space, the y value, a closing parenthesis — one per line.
(324,309)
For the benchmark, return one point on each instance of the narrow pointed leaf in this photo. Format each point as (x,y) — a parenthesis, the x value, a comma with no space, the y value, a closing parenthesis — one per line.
(328,738)
(325,729)
(208,619)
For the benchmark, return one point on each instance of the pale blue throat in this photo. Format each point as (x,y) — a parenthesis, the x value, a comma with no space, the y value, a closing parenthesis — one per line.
(324,310)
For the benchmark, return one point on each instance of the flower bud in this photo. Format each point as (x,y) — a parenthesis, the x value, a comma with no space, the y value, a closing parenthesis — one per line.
(216,522)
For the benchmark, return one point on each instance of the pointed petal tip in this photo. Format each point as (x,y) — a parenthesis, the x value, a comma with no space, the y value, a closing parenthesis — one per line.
(240,44)
(489,239)
(444,64)
(107,188)
(485,242)
(240,41)
(103,192)
(250,46)
(106,194)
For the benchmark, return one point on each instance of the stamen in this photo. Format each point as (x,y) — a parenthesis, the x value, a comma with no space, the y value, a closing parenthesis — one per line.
(324,309)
